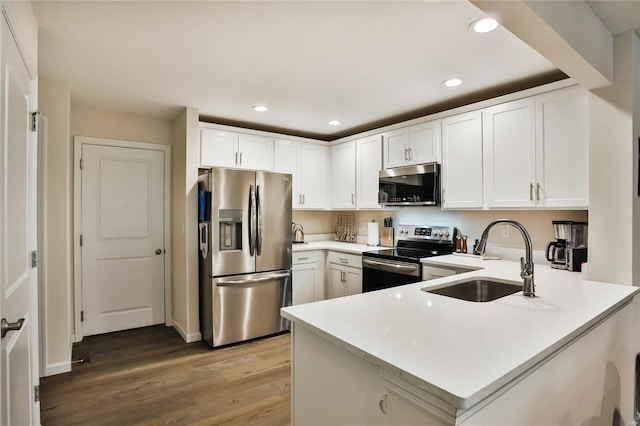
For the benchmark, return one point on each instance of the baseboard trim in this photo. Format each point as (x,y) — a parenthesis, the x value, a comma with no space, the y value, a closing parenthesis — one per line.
(189,338)
(58,368)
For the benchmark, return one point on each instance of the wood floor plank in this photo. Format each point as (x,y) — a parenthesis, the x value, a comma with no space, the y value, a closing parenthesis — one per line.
(150,376)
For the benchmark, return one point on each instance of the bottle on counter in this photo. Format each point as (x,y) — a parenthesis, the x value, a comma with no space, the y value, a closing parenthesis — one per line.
(458,244)
(464,244)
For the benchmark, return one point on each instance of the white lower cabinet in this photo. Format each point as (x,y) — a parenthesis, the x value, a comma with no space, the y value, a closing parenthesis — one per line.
(344,274)
(434,272)
(308,277)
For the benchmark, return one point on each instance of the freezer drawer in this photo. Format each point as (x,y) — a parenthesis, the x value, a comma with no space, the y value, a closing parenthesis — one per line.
(242,307)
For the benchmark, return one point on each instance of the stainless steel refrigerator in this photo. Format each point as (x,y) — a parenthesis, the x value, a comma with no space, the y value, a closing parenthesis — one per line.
(245,254)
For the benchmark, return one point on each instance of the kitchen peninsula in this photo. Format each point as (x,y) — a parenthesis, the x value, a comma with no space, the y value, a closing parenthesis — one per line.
(406,356)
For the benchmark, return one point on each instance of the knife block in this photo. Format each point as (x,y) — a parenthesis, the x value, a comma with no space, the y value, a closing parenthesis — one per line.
(386,238)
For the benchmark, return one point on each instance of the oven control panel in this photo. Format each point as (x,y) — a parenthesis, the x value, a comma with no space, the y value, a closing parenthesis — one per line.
(423,232)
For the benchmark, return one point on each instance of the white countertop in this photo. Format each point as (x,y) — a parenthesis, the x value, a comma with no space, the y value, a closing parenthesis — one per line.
(457,350)
(353,248)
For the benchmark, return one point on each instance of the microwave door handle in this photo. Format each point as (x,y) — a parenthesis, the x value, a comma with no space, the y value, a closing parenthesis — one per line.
(252,220)
(258,222)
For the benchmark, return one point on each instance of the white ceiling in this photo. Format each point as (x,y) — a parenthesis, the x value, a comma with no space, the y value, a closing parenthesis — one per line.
(363,63)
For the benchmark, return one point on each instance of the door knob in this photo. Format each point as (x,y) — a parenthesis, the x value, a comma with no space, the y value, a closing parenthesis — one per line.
(158,251)
(10,326)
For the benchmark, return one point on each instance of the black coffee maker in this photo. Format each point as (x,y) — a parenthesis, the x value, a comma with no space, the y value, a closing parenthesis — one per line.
(569,251)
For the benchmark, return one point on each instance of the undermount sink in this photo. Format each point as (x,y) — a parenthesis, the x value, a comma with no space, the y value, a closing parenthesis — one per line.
(477,289)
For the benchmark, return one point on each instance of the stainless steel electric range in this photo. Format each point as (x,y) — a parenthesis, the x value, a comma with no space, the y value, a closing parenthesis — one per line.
(401,265)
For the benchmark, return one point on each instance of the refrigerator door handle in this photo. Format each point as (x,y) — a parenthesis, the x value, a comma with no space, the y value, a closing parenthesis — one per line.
(264,277)
(252,220)
(259,222)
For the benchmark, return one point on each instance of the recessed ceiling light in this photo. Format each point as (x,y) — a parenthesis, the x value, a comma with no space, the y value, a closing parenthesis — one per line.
(452,82)
(260,108)
(333,123)
(484,25)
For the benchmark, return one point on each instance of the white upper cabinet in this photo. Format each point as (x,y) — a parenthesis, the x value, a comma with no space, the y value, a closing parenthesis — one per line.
(536,152)
(562,149)
(343,173)
(416,144)
(509,154)
(307,163)
(220,148)
(368,165)
(255,152)
(462,161)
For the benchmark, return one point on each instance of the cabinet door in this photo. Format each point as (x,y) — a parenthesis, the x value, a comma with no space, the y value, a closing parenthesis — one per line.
(509,154)
(434,272)
(396,148)
(255,152)
(335,286)
(218,148)
(353,281)
(343,172)
(562,148)
(305,280)
(369,162)
(286,161)
(462,161)
(424,143)
(314,176)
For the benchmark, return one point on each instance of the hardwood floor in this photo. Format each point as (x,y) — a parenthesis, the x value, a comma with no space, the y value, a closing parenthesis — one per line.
(150,376)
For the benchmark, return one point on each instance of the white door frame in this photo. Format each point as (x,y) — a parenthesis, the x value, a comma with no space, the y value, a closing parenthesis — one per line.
(79,141)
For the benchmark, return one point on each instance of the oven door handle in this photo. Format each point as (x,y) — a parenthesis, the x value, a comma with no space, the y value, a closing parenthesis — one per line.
(401,268)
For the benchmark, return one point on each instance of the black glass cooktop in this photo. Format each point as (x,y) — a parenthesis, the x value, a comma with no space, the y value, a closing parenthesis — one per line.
(404,254)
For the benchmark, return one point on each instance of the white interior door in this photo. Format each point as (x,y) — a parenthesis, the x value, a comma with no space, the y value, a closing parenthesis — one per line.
(122,238)
(18,356)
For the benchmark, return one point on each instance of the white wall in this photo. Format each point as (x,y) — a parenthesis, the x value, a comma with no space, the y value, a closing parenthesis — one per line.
(184,233)
(56,268)
(613,255)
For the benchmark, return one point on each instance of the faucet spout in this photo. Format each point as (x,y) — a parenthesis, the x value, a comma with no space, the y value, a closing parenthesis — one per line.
(526,263)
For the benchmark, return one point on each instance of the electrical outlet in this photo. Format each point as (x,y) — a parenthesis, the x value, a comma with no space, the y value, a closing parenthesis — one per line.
(506,229)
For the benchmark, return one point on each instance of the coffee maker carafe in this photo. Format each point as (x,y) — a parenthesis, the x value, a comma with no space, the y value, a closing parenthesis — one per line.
(569,250)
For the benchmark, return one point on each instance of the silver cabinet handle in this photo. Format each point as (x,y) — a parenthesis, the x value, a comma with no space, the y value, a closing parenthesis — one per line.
(410,153)
(530,192)
(538,191)
(304,199)
(353,198)
(241,158)
(236,158)
(343,260)
(10,326)
(406,154)
(382,404)
(302,258)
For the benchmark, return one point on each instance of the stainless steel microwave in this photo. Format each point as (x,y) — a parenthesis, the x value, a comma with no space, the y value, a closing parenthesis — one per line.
(410,186)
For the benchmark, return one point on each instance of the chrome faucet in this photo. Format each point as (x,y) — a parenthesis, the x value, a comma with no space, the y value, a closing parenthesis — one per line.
(526,265)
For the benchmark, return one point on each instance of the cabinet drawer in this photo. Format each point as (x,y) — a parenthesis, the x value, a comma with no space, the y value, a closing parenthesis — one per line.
(307,257)
(345,259)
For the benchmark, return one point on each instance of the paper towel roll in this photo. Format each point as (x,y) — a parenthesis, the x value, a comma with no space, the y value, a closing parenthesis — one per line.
(373,234)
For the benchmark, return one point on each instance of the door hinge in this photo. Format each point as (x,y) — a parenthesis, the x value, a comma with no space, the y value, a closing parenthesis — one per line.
(81,316)
(36,393)
(81,164)
(34,120)
(81,240)
(34,258)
